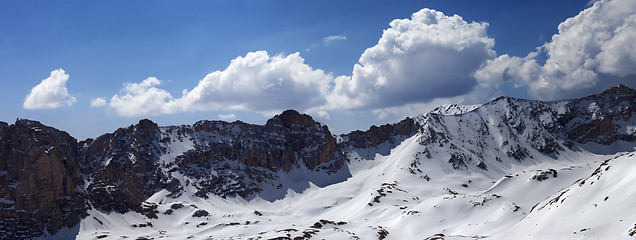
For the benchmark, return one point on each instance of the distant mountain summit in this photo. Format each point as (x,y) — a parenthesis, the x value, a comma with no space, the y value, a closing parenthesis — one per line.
(51,182)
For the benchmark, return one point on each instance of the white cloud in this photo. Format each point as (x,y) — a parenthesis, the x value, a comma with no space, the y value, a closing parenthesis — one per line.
(50,93)
(330,39)
(262,83)
(318,115)
(596,47)
(418,63)
(143,99)
(257,82)
(416,60)
(618,54)
(509,69)
(98,102)
(590,3)
(227,116)
(481,93)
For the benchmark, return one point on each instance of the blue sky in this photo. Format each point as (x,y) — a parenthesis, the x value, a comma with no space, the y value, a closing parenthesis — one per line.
(104,45)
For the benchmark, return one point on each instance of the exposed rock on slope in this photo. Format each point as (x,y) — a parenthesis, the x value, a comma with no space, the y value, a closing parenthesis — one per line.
(392,134)
(602,118)
(221,158)
(123,167)
(288,141)
(43,167)
(41,188)
(518,129)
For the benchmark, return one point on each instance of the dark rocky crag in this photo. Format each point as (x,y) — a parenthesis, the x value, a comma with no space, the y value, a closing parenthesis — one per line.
(287,141)
(597,118)
(387,133)
(123,167)
(281,144)
(49,180)
(42,188)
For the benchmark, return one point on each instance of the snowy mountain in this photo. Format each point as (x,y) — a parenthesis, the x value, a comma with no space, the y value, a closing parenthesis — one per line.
(507,169)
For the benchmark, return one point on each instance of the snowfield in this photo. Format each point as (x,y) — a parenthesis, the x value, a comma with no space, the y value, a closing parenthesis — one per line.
(582,195)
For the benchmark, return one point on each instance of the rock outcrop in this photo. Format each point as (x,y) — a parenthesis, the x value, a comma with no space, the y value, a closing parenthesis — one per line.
(52,180)
(287,141)
(302,141)
(602,118)
(388,133)
(123,167)
(42,188)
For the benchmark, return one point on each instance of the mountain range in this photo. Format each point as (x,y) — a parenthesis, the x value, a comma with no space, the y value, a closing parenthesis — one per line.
(507,169)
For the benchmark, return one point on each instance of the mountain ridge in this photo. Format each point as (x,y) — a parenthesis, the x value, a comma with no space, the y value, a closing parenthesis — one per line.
(119,172)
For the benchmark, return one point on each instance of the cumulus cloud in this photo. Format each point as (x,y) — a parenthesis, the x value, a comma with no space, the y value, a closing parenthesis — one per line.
(143,99)
(506,68)
(416,60)
(596,47)
(427,60)
(98,102)
(261,82)
(330,39)
(257,82)
(427,57)
(50,93)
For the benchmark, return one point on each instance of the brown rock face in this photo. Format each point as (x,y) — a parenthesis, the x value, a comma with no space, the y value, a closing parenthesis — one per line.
(304,140)
(293,120)
(123,167)
(41,186)
(385,133)
(599,118)
(287,140)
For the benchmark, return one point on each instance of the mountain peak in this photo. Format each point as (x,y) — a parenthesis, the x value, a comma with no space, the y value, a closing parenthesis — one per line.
(291,117)
(147,124)
(619,90)
(27,122)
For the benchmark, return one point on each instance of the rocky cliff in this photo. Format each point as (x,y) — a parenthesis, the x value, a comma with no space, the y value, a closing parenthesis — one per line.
(601,118)
(256,154)
(42,188)
(122,168)
(51,179)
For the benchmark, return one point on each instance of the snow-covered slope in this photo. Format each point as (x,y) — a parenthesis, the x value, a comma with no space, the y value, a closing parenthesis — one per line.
(488,171)
(382,199)
(598,206)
